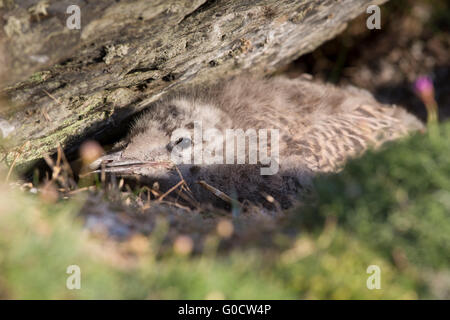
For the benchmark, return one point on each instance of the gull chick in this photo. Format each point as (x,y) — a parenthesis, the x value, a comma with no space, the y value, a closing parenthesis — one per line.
(319,126)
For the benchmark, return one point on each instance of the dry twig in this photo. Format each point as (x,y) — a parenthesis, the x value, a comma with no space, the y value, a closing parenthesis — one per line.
(15,160)
(218,193)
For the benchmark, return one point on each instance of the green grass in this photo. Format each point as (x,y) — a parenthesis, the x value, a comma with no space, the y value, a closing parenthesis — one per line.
(389,208)
(397,200)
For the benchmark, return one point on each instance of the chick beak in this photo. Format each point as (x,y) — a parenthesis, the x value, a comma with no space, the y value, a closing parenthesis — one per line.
(112,163)
(108,158)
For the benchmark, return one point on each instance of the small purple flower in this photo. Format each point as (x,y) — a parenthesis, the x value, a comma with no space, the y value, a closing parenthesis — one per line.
(424,86)
(425,90)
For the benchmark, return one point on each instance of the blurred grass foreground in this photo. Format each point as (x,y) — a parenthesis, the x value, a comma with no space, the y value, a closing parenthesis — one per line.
(390,209)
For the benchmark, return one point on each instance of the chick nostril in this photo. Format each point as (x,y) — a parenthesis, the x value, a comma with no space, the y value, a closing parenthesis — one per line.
(169,147)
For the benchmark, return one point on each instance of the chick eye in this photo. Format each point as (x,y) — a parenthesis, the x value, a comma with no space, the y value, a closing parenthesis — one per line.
(182,142)
(185,142)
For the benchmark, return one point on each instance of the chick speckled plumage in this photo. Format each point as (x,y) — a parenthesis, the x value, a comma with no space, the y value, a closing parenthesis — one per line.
(320,127)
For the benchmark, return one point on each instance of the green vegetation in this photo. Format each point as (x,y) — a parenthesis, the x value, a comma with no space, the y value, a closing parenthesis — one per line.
(390,208)
(398,199)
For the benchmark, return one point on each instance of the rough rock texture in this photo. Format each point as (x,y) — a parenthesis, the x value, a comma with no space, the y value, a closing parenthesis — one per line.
(63,85)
